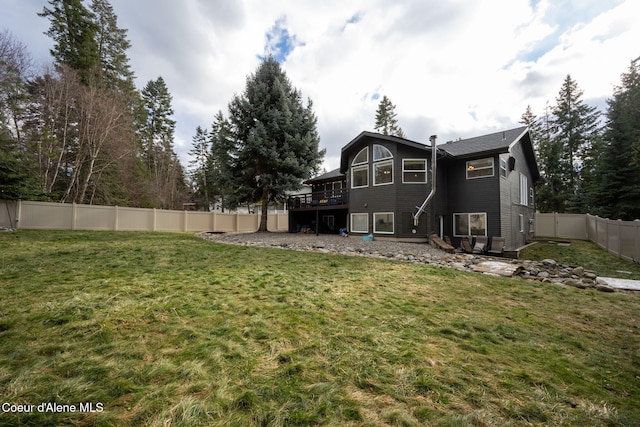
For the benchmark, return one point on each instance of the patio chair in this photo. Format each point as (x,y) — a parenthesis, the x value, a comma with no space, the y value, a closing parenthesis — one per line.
(480,245)
(497,246)
(466,245)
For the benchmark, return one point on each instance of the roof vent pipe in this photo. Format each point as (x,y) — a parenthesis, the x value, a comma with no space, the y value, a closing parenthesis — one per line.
(433,181)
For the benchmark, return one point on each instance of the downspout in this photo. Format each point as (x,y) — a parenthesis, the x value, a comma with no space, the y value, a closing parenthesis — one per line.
(422,208)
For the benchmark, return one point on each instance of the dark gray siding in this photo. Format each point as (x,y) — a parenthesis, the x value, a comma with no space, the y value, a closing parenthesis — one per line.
(399,198)
(479,195)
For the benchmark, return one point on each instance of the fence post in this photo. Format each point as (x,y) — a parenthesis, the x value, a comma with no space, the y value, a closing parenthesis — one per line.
(185,222)
(153,221)
(18,213)
(73,216)
(237,227)
(116,219)
(213,221)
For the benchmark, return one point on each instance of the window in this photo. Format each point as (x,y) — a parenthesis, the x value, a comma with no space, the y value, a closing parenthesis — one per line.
(360,223)
(480,168)
(381,153)
(383,172)
(383,223)
(360,169)
(532,200)
(524,190)
(361,157)
(503,168)
(469,224)
(414,171)
(359,176)
(521,223)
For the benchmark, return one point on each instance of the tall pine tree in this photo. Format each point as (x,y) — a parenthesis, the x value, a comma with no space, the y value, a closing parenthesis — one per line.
(276,138)
(566,137)
(200,152)
(575,126)
(220,162)
(112,45)
(617,193)
(157,128)
(73,30)
(386,121)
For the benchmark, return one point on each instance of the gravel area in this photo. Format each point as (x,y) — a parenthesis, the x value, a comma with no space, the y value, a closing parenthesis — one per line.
(330,243)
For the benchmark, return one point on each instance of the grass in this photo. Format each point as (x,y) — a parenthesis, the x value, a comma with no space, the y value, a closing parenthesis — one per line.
(584,253)
(171,330)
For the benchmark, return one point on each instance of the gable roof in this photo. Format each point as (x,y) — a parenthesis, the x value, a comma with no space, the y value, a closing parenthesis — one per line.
(366,136)
(498,142)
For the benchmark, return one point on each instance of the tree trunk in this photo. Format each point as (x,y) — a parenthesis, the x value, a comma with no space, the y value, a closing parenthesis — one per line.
(265,210)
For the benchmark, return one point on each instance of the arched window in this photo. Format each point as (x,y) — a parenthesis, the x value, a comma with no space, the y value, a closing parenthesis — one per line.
(360,169)
(361,157)
(381,153)
(382,165)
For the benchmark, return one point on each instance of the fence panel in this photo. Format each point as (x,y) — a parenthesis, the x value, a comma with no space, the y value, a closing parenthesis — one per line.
(60,216)
(167,220)
(564,226)
(628,240)
(94,217)
(8,213)
(545,225)
(621,238)
(43,215)
(248,222)
(200,221)
(135,219)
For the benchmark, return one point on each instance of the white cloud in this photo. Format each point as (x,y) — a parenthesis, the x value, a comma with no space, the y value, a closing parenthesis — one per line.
(456,69)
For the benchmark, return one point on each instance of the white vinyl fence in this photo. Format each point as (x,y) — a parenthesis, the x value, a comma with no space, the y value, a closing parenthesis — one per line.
(621,238)
(61,216)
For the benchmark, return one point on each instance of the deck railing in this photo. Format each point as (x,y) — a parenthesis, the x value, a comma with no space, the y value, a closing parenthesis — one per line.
(319,199)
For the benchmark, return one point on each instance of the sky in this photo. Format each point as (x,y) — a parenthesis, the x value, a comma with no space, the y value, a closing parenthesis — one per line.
(455,68)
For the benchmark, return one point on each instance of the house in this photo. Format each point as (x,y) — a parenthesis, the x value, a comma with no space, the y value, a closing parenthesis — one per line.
(484,187)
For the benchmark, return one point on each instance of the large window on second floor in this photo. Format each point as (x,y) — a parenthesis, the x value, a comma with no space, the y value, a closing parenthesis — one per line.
(480,168)
(414,171)
(382,165)
(383,172)
(360,169)
(524,190)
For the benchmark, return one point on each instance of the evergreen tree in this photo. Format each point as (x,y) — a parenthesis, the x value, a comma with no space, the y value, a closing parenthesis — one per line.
(550,192)
(220,162)
(617,193)
(276,138)
(73,31)
(535,126)
(112,44)
(386,122)
(198,173)
(575,126)
(156,130)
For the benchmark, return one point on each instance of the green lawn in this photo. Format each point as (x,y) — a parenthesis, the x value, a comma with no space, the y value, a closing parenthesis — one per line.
(584,253)
(170,330)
